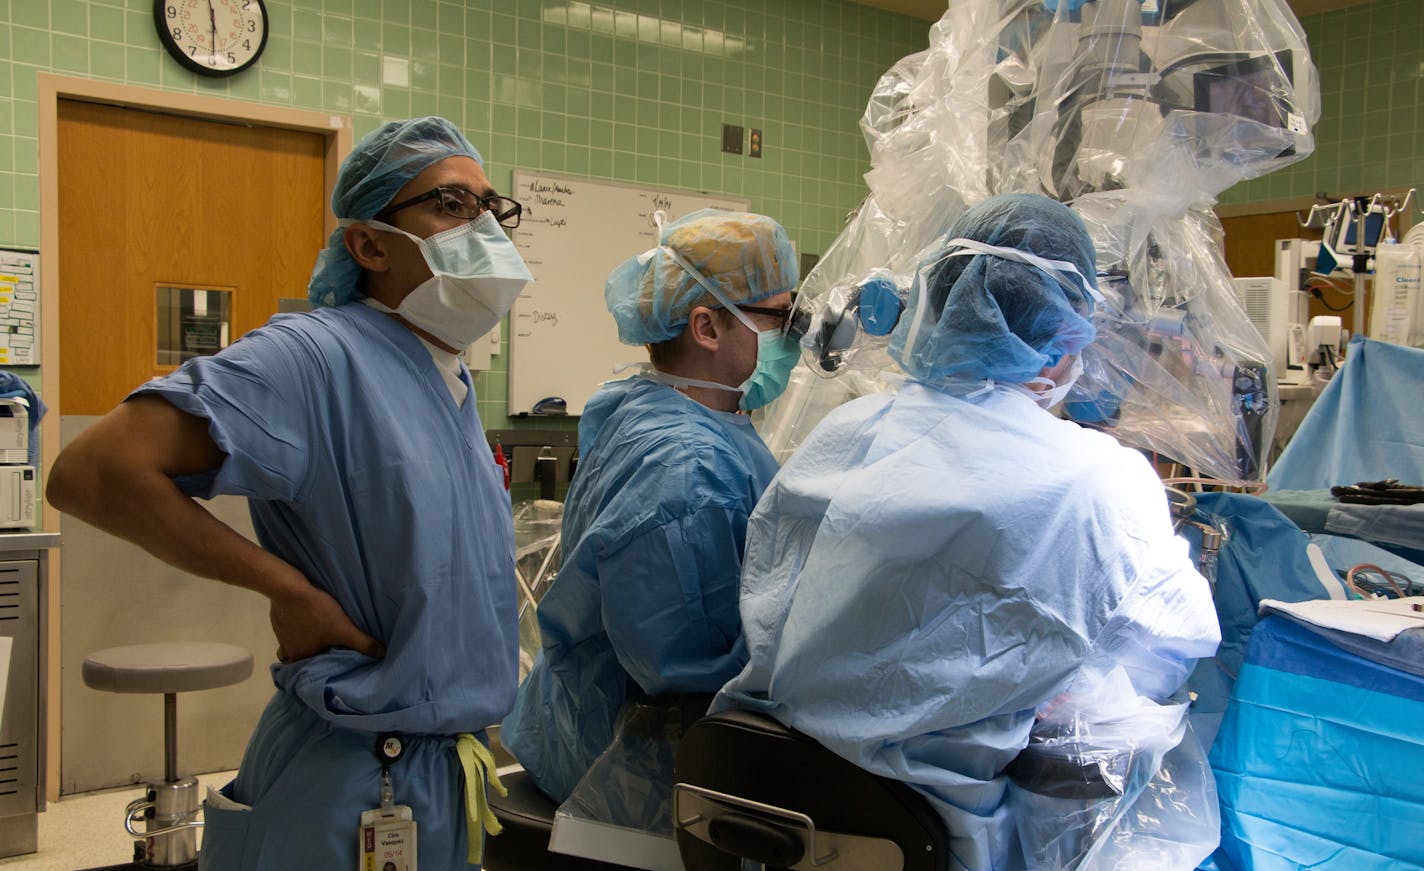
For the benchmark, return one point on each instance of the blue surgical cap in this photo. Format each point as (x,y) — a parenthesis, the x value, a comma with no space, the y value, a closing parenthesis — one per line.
(747,257)
(991,317)
(379,166)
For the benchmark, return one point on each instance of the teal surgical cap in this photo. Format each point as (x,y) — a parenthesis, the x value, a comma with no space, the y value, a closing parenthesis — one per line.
(382,163)
(747,257)
(989,316)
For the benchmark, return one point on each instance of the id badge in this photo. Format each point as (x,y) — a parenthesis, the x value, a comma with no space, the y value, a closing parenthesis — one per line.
(387,840)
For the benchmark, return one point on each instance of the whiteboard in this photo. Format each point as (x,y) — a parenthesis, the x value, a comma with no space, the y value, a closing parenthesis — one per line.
(562,340)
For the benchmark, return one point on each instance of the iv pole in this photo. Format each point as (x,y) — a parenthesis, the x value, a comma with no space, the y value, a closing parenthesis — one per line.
(1360,265)
(1355,212)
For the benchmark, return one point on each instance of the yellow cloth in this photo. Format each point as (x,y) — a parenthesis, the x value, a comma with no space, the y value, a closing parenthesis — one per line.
(478,763)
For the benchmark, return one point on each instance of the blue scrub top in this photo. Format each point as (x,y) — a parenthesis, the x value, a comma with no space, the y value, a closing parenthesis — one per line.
(361,471)
(646,600)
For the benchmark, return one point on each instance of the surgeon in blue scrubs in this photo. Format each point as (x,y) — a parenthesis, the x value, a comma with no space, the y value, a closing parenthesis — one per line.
(645,606)
(386,540)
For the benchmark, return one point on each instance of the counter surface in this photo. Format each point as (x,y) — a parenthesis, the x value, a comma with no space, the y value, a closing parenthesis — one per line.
(12,541)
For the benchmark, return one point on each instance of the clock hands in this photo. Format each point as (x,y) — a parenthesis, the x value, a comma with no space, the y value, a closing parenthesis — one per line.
(237,33)
(213,22)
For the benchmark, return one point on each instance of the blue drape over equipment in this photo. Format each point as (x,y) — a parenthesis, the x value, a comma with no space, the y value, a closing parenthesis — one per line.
(1318,759)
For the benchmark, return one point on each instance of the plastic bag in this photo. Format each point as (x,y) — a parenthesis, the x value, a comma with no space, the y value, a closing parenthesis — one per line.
(1138,115)
(1112,780)
(537,557)
(630,784)
(1398,311)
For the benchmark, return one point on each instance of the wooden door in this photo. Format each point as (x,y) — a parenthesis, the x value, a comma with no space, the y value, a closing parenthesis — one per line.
(149,200)
(1250,243)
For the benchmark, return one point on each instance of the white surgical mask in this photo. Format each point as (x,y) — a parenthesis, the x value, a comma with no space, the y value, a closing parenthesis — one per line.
(477,276)
(1055,392)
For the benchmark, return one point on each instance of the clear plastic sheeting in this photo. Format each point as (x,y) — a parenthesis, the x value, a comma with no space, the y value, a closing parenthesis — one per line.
(1120,782)
(1137,115)
(630,785)
(626,795)
(537,524)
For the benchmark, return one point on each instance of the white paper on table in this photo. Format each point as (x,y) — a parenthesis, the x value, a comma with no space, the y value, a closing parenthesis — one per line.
(1374,618)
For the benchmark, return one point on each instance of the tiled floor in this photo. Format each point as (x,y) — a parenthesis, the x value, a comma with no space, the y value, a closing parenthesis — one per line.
(86,831)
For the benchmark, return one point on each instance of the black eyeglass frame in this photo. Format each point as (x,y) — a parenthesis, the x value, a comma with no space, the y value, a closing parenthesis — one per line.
(507,216)
(784,314)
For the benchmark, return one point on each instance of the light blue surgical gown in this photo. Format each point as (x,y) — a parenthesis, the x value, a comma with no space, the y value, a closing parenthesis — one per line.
(363,473)
(929,574)
(646,601)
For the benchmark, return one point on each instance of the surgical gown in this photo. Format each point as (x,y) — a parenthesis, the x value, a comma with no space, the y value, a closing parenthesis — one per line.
(930,574)
(645,604)
(362,472)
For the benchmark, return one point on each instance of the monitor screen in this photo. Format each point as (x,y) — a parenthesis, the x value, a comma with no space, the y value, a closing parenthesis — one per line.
(1248,88)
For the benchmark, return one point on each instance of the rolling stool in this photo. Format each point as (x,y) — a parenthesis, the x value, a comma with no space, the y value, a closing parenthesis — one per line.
(170,809)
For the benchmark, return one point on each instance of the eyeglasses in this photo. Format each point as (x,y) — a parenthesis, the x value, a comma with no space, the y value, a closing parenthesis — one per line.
(782,315)
(465,205)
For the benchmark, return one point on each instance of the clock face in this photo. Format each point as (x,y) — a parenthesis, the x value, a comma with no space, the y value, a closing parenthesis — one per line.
(212,37)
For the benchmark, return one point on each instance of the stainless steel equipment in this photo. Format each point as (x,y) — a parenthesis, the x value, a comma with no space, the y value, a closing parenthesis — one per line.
(24,564)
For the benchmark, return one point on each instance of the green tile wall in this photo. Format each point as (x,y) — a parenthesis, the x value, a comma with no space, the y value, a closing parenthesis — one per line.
(635,90)
(630,90)
(1371,130)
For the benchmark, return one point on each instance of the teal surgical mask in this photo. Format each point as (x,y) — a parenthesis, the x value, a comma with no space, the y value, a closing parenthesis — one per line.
(776,353)
(776,357)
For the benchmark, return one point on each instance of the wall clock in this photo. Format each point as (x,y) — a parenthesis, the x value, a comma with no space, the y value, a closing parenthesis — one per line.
(212,37)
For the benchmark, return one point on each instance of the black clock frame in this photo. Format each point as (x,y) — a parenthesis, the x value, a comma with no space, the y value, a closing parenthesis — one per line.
(160,22)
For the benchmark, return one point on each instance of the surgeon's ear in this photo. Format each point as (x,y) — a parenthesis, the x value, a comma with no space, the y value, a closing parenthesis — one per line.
(366,248)
(704,328)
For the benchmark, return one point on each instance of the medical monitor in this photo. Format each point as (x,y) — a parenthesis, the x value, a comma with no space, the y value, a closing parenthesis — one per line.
(1374,229)
(1251,88)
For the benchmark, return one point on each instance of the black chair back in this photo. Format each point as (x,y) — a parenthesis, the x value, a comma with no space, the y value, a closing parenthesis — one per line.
(759,761)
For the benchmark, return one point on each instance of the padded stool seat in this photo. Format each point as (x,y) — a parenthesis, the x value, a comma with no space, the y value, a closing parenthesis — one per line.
(168,667)
(527,816)
(168,810)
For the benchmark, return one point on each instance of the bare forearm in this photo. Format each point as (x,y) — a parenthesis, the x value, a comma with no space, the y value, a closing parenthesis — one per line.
(118,475)
(148,510)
